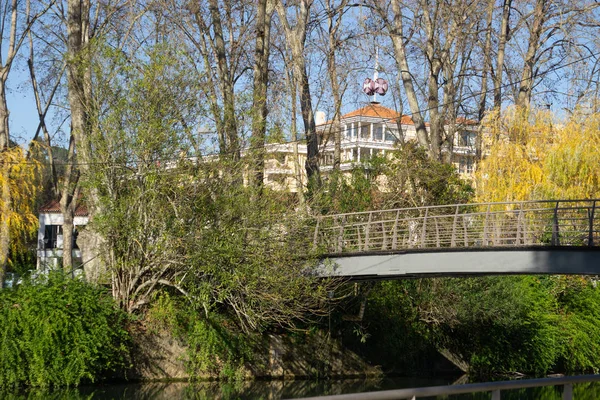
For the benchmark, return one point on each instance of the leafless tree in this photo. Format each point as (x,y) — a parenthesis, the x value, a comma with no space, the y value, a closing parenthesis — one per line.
(264,15)
(296,34)
(334,12)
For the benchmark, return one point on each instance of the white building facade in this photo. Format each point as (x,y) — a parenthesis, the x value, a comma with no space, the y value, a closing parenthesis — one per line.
(50,236)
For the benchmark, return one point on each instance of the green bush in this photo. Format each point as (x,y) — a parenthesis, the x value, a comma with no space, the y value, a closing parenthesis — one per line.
(216,347)
(59,332)
(490,325)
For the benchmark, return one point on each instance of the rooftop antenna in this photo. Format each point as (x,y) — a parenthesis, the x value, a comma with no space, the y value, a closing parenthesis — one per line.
(377,85)
(376,74)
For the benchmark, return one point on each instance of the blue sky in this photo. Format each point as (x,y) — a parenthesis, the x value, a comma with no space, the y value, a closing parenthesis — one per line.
(21,104)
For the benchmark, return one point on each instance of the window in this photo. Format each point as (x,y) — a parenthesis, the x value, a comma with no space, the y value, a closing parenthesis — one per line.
(364,132)
(280,157)
(277,178)
(378,133)
(326,158)
(391,136)
(51,234)
(465,165)
(467,139)
(365,154)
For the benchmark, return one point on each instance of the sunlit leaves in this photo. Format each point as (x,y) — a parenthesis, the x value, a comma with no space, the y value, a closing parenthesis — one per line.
(535,157)
(20,176)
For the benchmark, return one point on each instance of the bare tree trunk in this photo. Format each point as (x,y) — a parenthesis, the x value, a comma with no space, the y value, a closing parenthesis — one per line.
(502,40)
(296,38)
(68,203)
(396,32)
(291,82)
(312,140)
(333,28)
(226,81)
(259,97)
(79,88)
(64,188)
(4,131)
(433,101)
(6,200)
(297,167)
(487,56)
(5,203)
(535,32)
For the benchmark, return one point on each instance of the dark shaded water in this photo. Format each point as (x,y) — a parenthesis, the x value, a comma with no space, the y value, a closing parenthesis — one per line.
(274,390)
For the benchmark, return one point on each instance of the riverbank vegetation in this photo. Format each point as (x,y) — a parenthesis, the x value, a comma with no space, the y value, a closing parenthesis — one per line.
(58,331)
(157,118)
(192,252)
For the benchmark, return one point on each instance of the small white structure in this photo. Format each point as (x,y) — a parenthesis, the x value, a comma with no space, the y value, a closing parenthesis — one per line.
(50,235)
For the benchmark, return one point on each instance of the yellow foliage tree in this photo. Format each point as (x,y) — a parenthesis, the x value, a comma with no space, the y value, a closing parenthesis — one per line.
(19,185)
(534,157)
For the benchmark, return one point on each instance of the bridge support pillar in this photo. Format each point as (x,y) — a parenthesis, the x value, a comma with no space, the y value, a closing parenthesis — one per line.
(496,395)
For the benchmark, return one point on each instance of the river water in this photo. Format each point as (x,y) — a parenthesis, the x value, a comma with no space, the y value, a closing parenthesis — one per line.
(274,390)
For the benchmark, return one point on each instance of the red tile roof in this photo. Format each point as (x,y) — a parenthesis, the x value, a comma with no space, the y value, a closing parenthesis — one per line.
(379,111)
(53,207)
(465,121)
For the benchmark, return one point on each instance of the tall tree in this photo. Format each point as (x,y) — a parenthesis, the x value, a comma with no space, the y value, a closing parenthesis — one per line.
(444,34)
(265,9)
(16,21)
(503,38)
(335,12)
(295,35)
(79,92)
(218,31)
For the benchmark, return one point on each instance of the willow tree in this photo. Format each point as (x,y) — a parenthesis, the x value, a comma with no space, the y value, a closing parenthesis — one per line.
(539,158)
(18,218)
(16,21)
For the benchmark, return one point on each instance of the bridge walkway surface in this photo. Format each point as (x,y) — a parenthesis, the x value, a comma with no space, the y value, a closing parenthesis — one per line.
(532,237)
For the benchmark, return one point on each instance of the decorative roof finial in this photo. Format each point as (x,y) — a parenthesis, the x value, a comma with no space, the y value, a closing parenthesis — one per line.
(377,85)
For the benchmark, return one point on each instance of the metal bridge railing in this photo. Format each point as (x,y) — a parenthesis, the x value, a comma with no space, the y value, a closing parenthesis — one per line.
(507,224)
(495,388)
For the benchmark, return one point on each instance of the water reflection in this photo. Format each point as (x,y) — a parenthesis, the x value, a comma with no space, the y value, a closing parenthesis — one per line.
(274,390)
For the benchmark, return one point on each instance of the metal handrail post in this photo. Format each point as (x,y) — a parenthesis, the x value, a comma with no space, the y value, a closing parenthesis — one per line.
(367,232)
(395,232)
(423,229)
(453,240)
(591,231)
(519,226)
(485,226)
(555,233)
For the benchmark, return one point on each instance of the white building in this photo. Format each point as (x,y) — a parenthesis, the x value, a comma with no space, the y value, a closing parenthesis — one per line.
(366,132)
(50,236)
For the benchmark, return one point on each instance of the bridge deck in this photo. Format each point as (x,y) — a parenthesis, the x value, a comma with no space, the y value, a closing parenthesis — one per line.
(553,237)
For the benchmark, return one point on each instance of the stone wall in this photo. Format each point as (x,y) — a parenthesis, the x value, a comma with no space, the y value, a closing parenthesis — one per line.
(159,356)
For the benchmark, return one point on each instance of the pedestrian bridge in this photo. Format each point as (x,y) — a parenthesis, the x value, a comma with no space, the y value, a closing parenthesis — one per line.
(533,237)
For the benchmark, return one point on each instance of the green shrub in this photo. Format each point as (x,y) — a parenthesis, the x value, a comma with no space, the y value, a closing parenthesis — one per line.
(216,347)
(59,332)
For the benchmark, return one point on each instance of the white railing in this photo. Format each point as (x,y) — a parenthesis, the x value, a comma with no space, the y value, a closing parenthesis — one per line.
(509,224)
